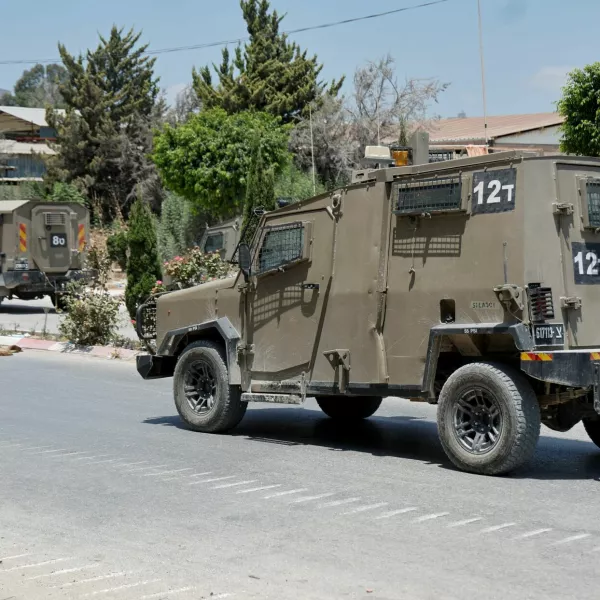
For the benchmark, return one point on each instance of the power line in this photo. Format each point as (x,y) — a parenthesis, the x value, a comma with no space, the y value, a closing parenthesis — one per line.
(245,39)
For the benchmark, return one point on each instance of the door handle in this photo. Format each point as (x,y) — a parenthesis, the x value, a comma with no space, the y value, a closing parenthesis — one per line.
(310,286)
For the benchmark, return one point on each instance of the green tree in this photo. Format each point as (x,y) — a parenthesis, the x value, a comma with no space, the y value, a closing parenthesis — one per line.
(178,226)
(143,268)
(38,87)
(111,96)
(297,184)
(269,73)
(580,106)
(207,159)
(260,189)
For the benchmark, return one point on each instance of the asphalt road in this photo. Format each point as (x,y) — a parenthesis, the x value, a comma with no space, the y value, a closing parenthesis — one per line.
(34,314)
(103,494)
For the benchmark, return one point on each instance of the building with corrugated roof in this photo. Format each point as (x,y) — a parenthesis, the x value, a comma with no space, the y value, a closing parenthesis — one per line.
(24,141)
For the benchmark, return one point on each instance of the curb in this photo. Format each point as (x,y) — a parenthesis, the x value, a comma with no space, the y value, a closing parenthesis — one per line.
(107,352)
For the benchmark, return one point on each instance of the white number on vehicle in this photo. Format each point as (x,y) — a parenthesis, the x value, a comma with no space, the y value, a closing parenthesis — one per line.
(494,191)
(58,240)
(586,263)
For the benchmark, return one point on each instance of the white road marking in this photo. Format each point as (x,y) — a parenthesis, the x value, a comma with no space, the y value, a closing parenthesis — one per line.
(10,445)
(92,457)
(339,502)
(103,462)
(431,517)
(38,448)
(70,454)
(393,513)
(220,596)
(47,562)
(366,508)
(279,494)
(15,556)
(213,479)
(230,485)
(311,498)
(497,527)
(260,489)
(202,474)
(573,538)
(92,579)
(168,593)
(121,587)
(166,472)
(51,451)
(144,468)
(532,534)
(465,522)
(63,572)
(141,462)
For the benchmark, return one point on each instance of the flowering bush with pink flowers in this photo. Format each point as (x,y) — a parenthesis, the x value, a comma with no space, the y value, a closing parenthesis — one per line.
(193,268)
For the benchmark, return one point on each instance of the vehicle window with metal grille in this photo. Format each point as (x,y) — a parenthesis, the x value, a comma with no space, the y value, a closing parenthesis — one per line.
(593,202)
(214,243)
(281,245)
(428,195)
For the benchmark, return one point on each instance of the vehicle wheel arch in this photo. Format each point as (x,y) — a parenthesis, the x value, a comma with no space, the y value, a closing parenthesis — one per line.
(220,331)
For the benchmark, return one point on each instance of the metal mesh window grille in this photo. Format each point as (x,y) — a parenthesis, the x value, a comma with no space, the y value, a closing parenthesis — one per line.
(593,202)
(214,242)
(53,218)
(281,245)
(429,195)
(440,156)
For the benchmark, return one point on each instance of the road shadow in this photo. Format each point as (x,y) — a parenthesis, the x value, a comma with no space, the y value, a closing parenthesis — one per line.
(23,309)
(399,437)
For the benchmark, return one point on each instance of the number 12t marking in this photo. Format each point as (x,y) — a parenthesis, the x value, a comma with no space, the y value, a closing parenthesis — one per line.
(494,197)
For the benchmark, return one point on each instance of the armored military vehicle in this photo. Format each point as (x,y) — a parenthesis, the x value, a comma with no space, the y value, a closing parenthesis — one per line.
(472,284)
(42,248)
(222,238)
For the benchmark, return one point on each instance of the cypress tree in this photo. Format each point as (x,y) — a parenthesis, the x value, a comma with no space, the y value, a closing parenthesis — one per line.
(143,267)
(260,188)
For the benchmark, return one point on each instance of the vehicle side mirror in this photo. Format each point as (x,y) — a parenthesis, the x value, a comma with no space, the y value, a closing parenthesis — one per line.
(245,260)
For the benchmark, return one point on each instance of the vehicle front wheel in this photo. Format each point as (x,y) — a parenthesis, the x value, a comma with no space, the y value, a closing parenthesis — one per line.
(352,408)
(203,397)
(592,428)
(488,419)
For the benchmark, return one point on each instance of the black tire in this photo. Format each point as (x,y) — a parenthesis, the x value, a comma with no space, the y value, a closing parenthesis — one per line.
(592,428)
(512,419)
(58,301)
(216,411)
(352,408)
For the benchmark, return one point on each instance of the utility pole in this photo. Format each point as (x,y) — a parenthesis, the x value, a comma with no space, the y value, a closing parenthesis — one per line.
(312,150)
(482,73)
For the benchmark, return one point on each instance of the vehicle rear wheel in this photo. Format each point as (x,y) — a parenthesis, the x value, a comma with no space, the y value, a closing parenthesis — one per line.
(352,408)
(203,397)
(58,301)
(488,419)
(592,428)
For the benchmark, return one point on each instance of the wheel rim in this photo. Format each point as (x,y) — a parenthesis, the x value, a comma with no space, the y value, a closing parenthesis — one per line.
(200,386)
(477,421)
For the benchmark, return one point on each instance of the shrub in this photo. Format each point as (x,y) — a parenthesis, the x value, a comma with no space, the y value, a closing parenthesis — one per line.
(92,316)
(116,245)
(195,268)
(143,268)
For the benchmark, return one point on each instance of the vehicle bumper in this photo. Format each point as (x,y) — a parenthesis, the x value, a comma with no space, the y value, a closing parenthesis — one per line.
(155,367)
(37,281)
(571,368)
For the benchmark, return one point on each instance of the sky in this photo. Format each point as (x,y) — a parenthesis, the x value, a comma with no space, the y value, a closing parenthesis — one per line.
(529,45)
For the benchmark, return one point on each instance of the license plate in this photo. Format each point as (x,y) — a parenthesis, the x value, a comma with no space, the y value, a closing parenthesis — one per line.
(549,334)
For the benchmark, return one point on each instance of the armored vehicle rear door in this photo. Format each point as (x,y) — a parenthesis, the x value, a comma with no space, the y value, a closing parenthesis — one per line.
(292,266)
(53,237)
(578,190)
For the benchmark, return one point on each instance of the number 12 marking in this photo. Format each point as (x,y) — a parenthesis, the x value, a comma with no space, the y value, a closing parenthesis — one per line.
(494,197)
(591,258)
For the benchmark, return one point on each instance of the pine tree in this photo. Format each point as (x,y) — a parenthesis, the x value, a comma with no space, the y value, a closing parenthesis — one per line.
(110,95)
(178,226)
(269,74)
(143,267)
(260,189)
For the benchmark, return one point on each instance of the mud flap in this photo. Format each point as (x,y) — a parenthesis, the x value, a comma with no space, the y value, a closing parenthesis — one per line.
(596,367)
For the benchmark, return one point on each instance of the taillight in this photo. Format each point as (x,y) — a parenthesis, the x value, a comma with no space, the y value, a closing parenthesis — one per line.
(541,305)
